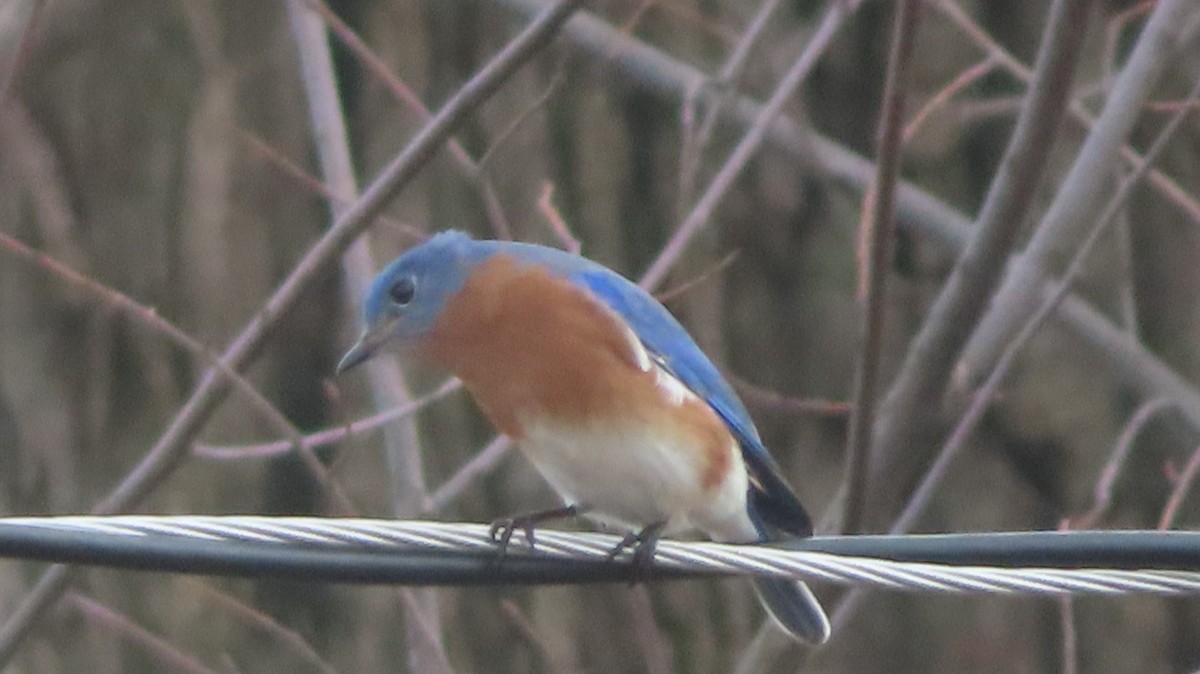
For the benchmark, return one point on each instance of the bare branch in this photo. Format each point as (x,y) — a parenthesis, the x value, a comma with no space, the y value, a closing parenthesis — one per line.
(878,236)
(835,15)
(1076,200)
(913,400)
(167,654)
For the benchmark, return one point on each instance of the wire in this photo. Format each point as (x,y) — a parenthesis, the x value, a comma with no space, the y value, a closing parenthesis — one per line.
(356,550)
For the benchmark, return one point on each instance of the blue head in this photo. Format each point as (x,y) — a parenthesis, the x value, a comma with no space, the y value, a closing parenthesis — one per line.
(405,299)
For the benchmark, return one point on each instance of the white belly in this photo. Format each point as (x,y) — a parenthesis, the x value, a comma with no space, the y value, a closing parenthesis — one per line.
(633,475)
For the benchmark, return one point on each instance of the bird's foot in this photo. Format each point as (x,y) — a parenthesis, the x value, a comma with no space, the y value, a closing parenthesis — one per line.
(503,529)
(643,543)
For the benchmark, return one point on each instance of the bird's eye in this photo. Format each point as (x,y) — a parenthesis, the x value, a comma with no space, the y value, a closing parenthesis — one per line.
(402,291)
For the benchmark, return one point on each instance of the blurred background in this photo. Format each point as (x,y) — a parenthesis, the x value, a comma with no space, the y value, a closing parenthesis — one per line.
(164,151)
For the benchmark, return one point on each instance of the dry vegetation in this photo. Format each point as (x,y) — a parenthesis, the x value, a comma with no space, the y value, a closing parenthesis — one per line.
(162,156)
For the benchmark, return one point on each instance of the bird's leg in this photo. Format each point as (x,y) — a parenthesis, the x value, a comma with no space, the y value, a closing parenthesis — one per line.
(503,529)
(643,543)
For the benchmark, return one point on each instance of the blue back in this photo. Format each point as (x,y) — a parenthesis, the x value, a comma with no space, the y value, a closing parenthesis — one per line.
(773,503)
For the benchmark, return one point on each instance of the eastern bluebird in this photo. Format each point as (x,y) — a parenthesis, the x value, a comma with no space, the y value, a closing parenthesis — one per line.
(601,388)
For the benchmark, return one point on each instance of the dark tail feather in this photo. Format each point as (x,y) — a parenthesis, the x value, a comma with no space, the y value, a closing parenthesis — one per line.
(794,607)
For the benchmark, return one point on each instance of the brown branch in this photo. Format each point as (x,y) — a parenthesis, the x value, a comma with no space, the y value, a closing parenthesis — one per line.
(760,396)
(311,183)
(956,86)
(1182,485)
(1103,491)
(558,225)
(330,436)
(878,232)
(167,654)
(714,270)
(479,465)
(240,610)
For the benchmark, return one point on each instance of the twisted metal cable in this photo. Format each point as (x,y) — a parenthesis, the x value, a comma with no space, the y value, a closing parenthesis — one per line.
(415,552)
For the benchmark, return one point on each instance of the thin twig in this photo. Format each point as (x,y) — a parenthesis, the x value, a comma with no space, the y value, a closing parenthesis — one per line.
(289,638)
(714,270)
(479,465)
(1103,491)
(1180,491)
(748,146)
(311,183)
(878,234)
(1160,181)
(470,169)
(529,634)
(965,79)
(558,225)
(172,446)
(695,140)
(760,396)
(1070,635)
(148,317)
(167,654)
(330,436)
(522,117)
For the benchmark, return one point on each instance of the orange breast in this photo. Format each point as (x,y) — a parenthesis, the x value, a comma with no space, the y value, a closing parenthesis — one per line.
(529,345)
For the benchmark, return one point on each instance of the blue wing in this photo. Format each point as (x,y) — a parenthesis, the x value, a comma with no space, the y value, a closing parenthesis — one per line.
(773,501)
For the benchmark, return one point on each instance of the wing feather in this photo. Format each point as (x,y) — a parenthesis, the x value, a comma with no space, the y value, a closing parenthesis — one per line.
(774,503)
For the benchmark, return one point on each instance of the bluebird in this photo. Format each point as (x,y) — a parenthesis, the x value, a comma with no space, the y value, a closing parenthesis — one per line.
(602,389)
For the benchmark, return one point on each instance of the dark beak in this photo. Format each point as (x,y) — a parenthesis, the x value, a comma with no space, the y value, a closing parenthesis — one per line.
(369,344)
(358,354)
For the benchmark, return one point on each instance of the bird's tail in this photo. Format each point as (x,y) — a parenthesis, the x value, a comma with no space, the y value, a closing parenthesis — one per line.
(794,607)
(790,602)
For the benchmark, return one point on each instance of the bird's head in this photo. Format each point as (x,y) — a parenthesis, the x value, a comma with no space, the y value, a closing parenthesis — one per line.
(404,300)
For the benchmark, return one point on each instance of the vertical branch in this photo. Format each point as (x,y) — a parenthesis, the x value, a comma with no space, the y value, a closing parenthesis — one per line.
(879,233)
(917,389)
(402,441)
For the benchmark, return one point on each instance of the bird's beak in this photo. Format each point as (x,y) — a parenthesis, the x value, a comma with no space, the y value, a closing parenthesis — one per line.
(369,344)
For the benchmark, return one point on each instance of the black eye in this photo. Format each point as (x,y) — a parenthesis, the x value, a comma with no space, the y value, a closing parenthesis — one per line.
(402,291)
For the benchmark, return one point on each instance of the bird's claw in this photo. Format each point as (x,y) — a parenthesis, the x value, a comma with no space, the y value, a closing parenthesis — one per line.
(643,543)
(502,530)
